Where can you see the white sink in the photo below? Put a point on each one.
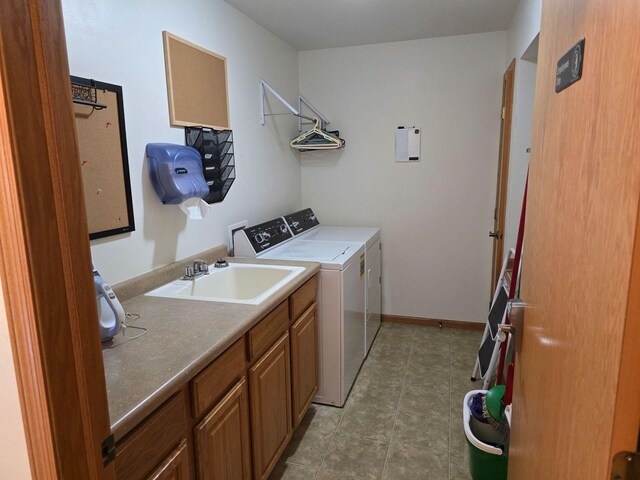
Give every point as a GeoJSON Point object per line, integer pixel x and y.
{"type": "Point", "coordinates": [238, 283]}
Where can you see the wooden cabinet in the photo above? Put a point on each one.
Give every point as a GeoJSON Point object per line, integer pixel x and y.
{"type": "Point", "coordinates": [270, 393]}
{"type": "Point", "coordinates": [163, 434]}
{"type": "Point", "coordinates": [239, 419]}
{"type": "Point", "coordinates": [210, 384]}
{"type": "Point", "coordinates": [303, 297]}
{"type": "Point", "coordinates": [175, 467]}
{"type": "Point", "coordinates": [222, 438]}
{"type": "Point", "coordinates": [267, 331]}
{"type": "Point", "coordinates": [304, 363]}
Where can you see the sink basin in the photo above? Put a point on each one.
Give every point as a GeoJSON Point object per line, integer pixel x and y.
{"type": "Point", "coordinates": [238, 283]}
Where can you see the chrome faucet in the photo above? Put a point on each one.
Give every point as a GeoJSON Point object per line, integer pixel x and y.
{"type": "Point", "coordinates": [199, 268]}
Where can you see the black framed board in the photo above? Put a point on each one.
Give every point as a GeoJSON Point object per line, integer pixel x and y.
{"type": "Point", "coordinates": [102, 141]}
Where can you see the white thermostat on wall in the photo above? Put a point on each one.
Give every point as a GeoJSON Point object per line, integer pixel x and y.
{"type": "Point", "coordinates": [407, 144]}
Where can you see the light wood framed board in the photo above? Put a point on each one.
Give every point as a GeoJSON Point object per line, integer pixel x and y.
{"type": "Point", "coordinates": [105, 165]}
{"type": "Point", "coordinates": [196, 84]}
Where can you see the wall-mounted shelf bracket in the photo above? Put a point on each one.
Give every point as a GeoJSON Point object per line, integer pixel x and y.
{"type": "Point", "coordinates": [303, 101]}
{"type": "Point", "coordinates": [263, 85]}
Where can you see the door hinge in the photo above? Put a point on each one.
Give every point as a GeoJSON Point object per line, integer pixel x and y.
{"type": "Point", "coordinates": [108, 450]}
{"type": "Point", "coordinates": [504, 112]}
{"type": "Point", "coordinates": [626, 466]}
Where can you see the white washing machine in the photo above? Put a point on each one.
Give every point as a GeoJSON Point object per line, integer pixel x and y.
{"type": "Point", "coordinates": [341, 299]}
{"type": "Point", "coordinates": [305, 225]}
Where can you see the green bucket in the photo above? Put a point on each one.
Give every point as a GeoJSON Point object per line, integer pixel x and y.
{"type": "Point", "coordinates": [486, 462]}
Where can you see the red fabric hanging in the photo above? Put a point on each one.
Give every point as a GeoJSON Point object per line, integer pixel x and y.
{"type": "Point", "coordinates": [514, 281]}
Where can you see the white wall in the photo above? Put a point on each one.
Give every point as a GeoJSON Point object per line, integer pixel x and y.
{"type": "Point", "coordinates": [120, 41]}
{"type": "Point", "coordinates": [521, 126]}
{"type": "Point", "coordinates": [14, 459]}
{"type": "Point", "coordinates": [524, 27]}
{"type": "Point", "coordinates": [523, 31]}
{"type": "Point", "coordinates": [436, 214]}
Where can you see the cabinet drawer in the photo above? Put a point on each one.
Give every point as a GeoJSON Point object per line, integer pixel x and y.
{"type": "Point", "coordinates": [302, 298]}
{"type": "Point", "coordinates": [216, 379]}
{"type": "Point", "coordinates": [140, 452]}
{"type": "Point", "coordinates": [265, 333]}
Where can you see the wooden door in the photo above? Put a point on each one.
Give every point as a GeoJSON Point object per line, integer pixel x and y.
{"type": "Point", "coordinates": [270, 394]}
{"type": "Point", "coordinates": [45, 261]}
{"type": "Point", "coordinates": [500, 210]}
{"type": "Point", "coordinates": [222, 438]}
{"type": "Point", "coordinates": [577, 388]}
{"type": "Point", "coordinates": [304, 363]}
{"type": "Point", "coordinates": [175, 467]}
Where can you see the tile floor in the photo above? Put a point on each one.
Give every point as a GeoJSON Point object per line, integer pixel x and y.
{"type": "Point", "coordinates": [403, 418]}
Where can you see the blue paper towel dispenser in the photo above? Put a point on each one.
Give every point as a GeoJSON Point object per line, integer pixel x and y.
{"type": "Point", "coordinates": [176, 172]}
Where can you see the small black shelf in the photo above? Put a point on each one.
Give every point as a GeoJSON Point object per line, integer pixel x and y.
{"type": "Point", "coordinates": [218, 163]}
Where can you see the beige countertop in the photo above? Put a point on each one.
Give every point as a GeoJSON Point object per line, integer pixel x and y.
{"type": "Point", "coordinates": [183, 337]}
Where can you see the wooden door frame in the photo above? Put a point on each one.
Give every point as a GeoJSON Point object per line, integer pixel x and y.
{"type": "Point", "coordinates": [502, 182]}
{"type": "Point", "coordinates": [45, 261]}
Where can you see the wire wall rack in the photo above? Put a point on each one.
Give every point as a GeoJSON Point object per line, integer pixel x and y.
{"type": "Point", "coordinates": [218, 162]}
{"type": "Point", "coordinates": [83, 94]}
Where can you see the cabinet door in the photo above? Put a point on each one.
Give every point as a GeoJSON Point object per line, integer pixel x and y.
{"type": "Point", "coordinates": [175, 467]}
{"type": "Point", "coordinates": [304, 363]}
{"type": "Point", "coordinates": [155, 439]}
{"type": "Point", "coordinates": [222, 438]}
{"type": "Point", "coordinates": [270, 393]}
{"type": "Point", "coordinates": [374, 292]}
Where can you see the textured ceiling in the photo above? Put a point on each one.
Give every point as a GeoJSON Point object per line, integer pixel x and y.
{"type": "Point", "coordinates": [313, 24]}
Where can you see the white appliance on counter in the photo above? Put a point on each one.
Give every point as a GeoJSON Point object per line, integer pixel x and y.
{"type": "Point", "coordinates": [341, 299]}
{"type": "Point", "coordinates": [305, 225]}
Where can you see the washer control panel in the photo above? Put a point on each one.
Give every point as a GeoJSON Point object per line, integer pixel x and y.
{"type": "Point", "coordinates": [301, 221]}
{"type": "Point", "coordinates": [267, 234]}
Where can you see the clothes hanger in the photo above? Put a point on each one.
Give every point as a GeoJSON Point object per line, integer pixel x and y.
{"type": "Point", "coordinates": [316, 139]}
{"type": "Point", "coordinates": [308, 134]}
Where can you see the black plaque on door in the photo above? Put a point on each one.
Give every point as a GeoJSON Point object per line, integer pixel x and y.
{"type": "Point", "coordinates": [569, 69]}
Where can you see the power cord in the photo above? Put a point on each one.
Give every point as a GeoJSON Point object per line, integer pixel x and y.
{"type": "Point", "coordinates": [128, 316]}
{"type": "Point", "coordinates": [132, 316]}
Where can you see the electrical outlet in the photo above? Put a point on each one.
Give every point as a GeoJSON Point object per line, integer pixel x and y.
{"type": "Point", "coordinates": [231, 229]}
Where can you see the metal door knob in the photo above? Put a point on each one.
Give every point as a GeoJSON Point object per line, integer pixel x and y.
{"type": "Point", "coordinates": [516, 312]}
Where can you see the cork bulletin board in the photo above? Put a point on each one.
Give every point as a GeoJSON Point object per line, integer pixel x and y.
{"type": "Point", "coordinates": [103, 157]}
{"type": "Point", "coordinates": [196, 84]}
